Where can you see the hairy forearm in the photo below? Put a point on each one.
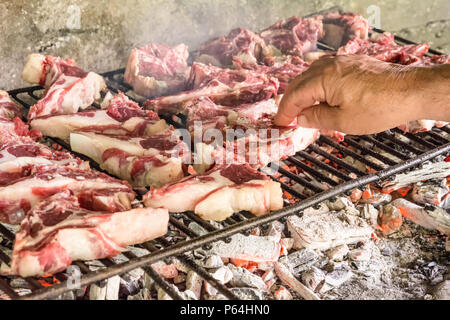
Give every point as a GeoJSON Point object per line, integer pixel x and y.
{"type": "Point", "coordinates": [433, 84]}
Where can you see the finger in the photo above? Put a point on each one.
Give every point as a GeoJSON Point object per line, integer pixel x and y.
{"type": "Point", "coordinates": [321, 116]}
{"type": "Point", "coordinates": [301, 94]}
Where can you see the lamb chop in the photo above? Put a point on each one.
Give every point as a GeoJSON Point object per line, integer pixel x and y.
{"type": "Point", "coordinates": [219, 193]}
{"type": "Point", "coordinates": [120, 116]}
{"type": "Point", "coordinates": [95, 191]}
{"type": "Point", "coordinates": [19, 157]}
{"type": "Point", "coordinates": [67, 87]}
{"type": "Point", "coordinates": [240, 44]}
{"type": "Point", "coordinates": [12, 129]}
{"type": "Point", "coordinates": [284, 68]}
{"type": "Point", "coordinates": [340, 28]}
{"type": "Point", "coordinates": [143, 161]}
{"type": "Point", "coordinates": [384, 48]}
{"type": "Point", "coordinates": [249, 133]}
{"type": "Point", "coordinates": [8, 109]}
{"type": "Point", "coordinates": [294, 36]}
{"type": "Point", "coordinates": [223, 86]}
{"type": "Point", "coordinates": [157, 69]}
{"type": "Point", "coordinates": [59, 231]}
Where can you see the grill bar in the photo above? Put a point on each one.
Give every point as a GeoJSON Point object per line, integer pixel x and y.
{"type": "Point", "coordinates": [190, 245]}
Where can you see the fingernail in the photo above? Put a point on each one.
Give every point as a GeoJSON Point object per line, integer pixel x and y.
{"type": "Point", "coordinates": [302, 121]}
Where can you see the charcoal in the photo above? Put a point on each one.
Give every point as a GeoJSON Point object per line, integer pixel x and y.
{"type": "Point", "coordinates": [194, 283]}
{"type": "Point", "coordinates": [370, 214]}
{"type": "Point", "coordinates": [327, 230]}
{"type": "Point", "coordinates": [288, 279]}
{"type": "Point", "coordinates": [248, 293]}
{"type": "Point", "coordinates": [428, 171]}
{"type": "Point", "coordinates": [282, 294]}
{"type": "Point", "coordinates": [144, 294]}
{"type": "Point", "coordinates": [442, 291]}
{"type": "Point", "coordinates": [222, 274]}
{"type": "Point", "coordinates": [337, 277]}
{"type": "Point", "coordinates": [180, 278]}
{"type": "Point", "coordinates": [300, 259]}
{"type": "Point", "coordinates": [360, 255]}
{"type": "Point", "coordinates": [251, 248]}
{"type": "Point", "coordinates": [338, 253]}
{"type": "Point", "coordinates": [244, 278]}
{"type": "Point", "coordinates": [313, 277]}
{"type": "Point", "coordinates": [213, 261]}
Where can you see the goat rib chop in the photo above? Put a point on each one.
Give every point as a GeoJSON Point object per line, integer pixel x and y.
{"type": "Point", "coordinates": [223, 86]}
{"type": "Point", "coordinates": [67, 87]}
{"type": "Point", "coordinates": [59, 231]}
{"type": "Point", "coordinates": [156, 69]}
{"type": "Point", "coordinates": [219, 193]}
{"type": "Point", "coordinates": [120, 116]}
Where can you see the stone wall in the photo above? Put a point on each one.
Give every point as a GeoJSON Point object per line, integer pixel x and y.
{"type": "Point", "coordinates": [99, 34]}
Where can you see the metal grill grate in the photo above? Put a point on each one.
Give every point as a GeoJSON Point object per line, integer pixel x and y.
{"type": "Point", "coordinates": [322, 175]}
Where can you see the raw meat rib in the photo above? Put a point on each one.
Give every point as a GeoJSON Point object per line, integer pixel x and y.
{"type": "Point", "coordinates": [384, 48]}
{"type": "Point", "coordinates": [68, 88]}
{"type": "Point", "coordinates": [223, 86]}
{"type": "Point", "coordinates": [13, 129]}
{"type": "Point", "coordinates": [340, 28]}
{"type": "Point", "coordinates": [146, 161]}
{"type": "Point", "coordinates": [264, 142]}
{"type": "Point", "coordinates": [157, 69]}
{"type": "Point", "coordinates": [240, 44]}
{"type": "Point", "coordinates": [58, 231]}
{"type": "Point", "coordinates": [284, 68]}
{"type": "Point", "coordinates": [258, 143]}
{"type": "Point", "coordinates": [120, 117]}
{"type": "Point", "coordinates": [295, 35]}
{"type": "Point", "coordinates": [8, 109]}
{"type": "Point", "coordinates": [95, 191]}
{"type": "Point", "coordinates": [219, 193]}
{"type": "Point", "coordinates": [19, 157]}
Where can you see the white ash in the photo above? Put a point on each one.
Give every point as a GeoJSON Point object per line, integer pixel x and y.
{"type": "Point", "coordinates": [243, 278]}
{"type": "Point", "coordinates": [105, 290]}
{"type": "Point", "coordinates": [432, 192]}
{"type": "Point", "coordinates": [194, 283]}
{"type": "Point", "coordinates": [213, 261]}
{"type": "Point", "coordinates": [198, 229]}
{"type": "Point", "coordinates": [313, 277]}
{"type": "Point", "coordinates": [426, 172]}
{"type": "Point", "coordinates": [248, 293]}
{"type": "Point", "coordinates": [252, 248]}
{"type": "Point", "coordinates": [442, 291]}
{"type": "Point", "coordinates": [369, 213]}
{"type": "Point", "coordinates": [222, 274]}
{"type": "Point", "coordinates": [335, 279]}
{"type": "Point", "coordinates": [338, 253]}
{"type": "Point", "coordinates": [302, 260]}
{"type": "Point", "coordinates": [144, 294]}
{"type": "Point", "coordinates": [328, 229]}
{"type": "Point", "coordinates": [209, 289]}
{"type": "Point", "coordinates": [282, 294]}
{"type": "Point", "coordinates": [288, 279]}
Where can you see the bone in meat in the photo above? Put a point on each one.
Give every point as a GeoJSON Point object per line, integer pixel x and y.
{"type": "Point", "coordinates": [58, 231]}
{"type": "Point", "coordinates": [157, 69]}
{"type": "Point", "coordinates": [219, 193]}
{"type": "Point", "coordinates": [67, 87]}
{"type": "Point", "coordinates": [120, 116]}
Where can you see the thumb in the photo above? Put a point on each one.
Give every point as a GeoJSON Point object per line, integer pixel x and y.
{"type": "Point", "coordinates": [320, 116]}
